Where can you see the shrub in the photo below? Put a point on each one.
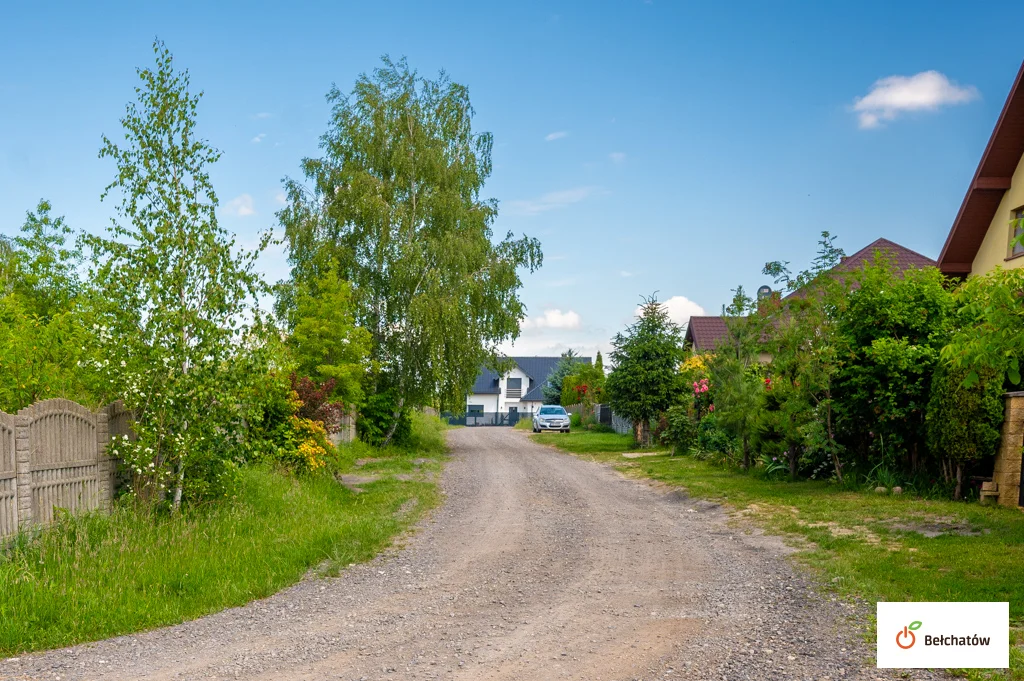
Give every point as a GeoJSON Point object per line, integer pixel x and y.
{"type": "Point", "coordinates": [377, 415]}
{"type": "Point", "coordinates": [680, 430]}
{"type": "Point", "coordinates": [963, 423]}
{"type": "Point", "coordinates": [712, 438]}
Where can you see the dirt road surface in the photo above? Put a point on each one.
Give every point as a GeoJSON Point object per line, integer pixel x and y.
{"type": "Point", "coordinates": [538, 566]}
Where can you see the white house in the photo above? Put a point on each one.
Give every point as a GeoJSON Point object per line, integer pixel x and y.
{"type": "Point", "coordinates": [517, 391]}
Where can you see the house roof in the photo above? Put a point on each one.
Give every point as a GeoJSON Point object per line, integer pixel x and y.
{"type": "Point", "coordinates": [537, 368]}
{"type": "Point", "coordinates": [705, 333]}
{"type": "Point", "coordinates": [991, 180]}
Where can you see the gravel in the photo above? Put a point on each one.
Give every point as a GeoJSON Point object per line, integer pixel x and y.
{"type": "Point", "coordinates": [538, 566]}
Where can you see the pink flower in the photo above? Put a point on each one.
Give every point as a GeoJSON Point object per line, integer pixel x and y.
{"type": "Point", "coordinates": [711, 408]}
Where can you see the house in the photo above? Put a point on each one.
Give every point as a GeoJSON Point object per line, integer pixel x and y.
{"type": "Point", "coordinates": [981, 235]}
{"type": "Point", "coordinates": [517, 391]}
{"type": "Point", "coordinates": [706, 334]}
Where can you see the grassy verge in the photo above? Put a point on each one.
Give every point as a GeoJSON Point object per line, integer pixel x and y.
{"type": "Point", "coordinates": [876, 547]}
{"type": "Point", "coordinates": [97, 576]}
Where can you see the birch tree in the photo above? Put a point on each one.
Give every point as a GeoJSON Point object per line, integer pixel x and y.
{"type": "Point", "coordinates": [175, 297]}
{"type": "Point", "coordinates": [394, 206]}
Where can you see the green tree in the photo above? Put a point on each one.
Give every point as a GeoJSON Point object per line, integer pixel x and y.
{"type": "Point", "coordinates": [963, 422]}
{"type": "Point", "coordinates": [892, 328]}
{"type": "Point", "coordinates": [552, 389]}
{"type": "Point", "coordinates": [585, 385]}
{"type": "Point", "coordinates": [807, 354]}
{"type": "Point", "coordinates": [395, 208]}
{"type": "Point", "coordinates": [737, 374]}
{"type": "Point", "coordinates": [178, 320]}
{"type": "Point", "coordinates": [45, 268]}
{"type": "Point", "coordinates": [325, 340]}
{"type": "Point", "coordinates": [989, 327]}
{"type": "Point", "coordinates": [646, 381]}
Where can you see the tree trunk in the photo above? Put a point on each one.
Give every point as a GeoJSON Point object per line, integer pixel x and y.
{"type": "Point", "coordinates": [794, 456]}
{"type": "Point", "coordinates": [179, 485]}
{"type": "Point", "coordinates": [638, 433]}
{"type": "Point", "coordinates": [959, 481]}
{"type": "Point", "coordinates": [913, 458]}
{"type": "Point", "coordinates": [394, 423]}
{"type": "Point", "coordinates": [746, 452]}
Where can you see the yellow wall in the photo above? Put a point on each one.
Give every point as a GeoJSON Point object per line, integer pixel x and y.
{"type": "Point", "coordinates": [996, 245]}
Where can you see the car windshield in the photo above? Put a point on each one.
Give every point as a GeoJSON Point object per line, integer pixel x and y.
{"type": "Point", "coordinates": [552, 411]}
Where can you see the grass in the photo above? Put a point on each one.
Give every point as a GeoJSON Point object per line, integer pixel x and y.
{"type": "Point", "coordinates": [863, 544]}
{"type": "Point", "coordinates": [96, 576]}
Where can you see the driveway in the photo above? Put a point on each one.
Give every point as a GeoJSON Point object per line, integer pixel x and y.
{"type": "Point", "coordinates": [538, 566]}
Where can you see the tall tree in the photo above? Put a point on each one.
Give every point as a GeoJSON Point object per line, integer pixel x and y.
{"type": "Point", "coordinates": [646, 380]}
{"type": "Point", "coordinates": [395, 208]}
{"type": "Point", "coordinates": [176, 298]}
{"type": "Point", "coordinates": [736, 371]}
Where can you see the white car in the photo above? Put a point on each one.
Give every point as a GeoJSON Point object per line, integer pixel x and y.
{"type": "Point", "coordinates": [551, 418]}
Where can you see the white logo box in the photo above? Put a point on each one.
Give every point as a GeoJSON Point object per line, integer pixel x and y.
{"type": "Point", "coordinates": [956, 633]}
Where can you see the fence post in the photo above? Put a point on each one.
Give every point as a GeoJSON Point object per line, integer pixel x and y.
{"type": "Point", "coordinates": [1006, 474]}
{"type": "Point", "coordinates": [104, 464]}
{"type": "Point", "coordinates": [23, 461]}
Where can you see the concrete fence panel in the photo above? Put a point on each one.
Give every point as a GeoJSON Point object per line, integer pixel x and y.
{"type": "Point", "coordinates": [8, 477]}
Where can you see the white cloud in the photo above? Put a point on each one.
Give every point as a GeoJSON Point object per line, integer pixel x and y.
{"type": "Point", "coordinates": [926, 91]}
{"type": "Point", "coordinates": [617, 156]}
{"type": "Point", "coordinates": [262, 115]}
{"type": "Point", "coordinates": [551, 201]}
{"type": "Point", "coordinates": [679, 308]}
{"type": "Point", "coordinates": [553, 319]}
{"type": "Point", "coordinates": [551, 137]}
{"type": "Point", "coordinates": [624, 274]}
{"type": "Point", "coordinates": [280, 198]}
{"type": "Point", "coordinates": [240, 206]}
{"type": "Point", "coordinates": [259, 138]}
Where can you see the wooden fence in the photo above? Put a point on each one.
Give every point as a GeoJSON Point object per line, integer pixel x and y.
{"type": "Point", "coordinates": [53, 455]}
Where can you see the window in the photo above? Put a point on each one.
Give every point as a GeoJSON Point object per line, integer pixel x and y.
{"type": "Point", "coordinates": [552, 411]}
{"type": "Point", "coordinates": [514, 388]}
{"type": "Point", "coordinates": [476, 409]}
{"type": "Point", "coordinates": [1016, 229]}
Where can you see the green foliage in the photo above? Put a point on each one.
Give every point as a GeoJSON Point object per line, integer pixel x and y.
{"type": "Point", "coordinates": [41, 265]}
{"type": "Point", "coordinates": [377, 425]}
{"type": "Point", "coordinates": [583, 385]}
{"type": "Point", "coordinates": [963, 422]}
{"type": "Point", "coordinates": [395, 209]}
{"type": "Point", "coordinates": [989, 332]}
{"type": "Point", "coordinates": [552, 390]}
{"type": "Point", "coordinates": [176, 306]}
{"type": "Point", "coordinates": [681, 432]}
{"type": "Point", "coordinates": [646, 380]}
{"type": "Point", "coordinates": [892, 329]}
{"type": "Point", "coordinates": [325, 340]}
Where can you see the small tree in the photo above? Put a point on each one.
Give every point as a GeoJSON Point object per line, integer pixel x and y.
{"type": "Point", "coordinates": [736, 372]}
{"type": "Point", "coordinates": [646, 381]}
{"type": "Point", "coordinates": [963, 422]}
{"type": "Point", "coordinates": [177, 315]}
{"type": "Point", "coordinates": [552, 389]}
{"type": "Point", "coordinates": [326, 341]}
{"type": "Point", "coordinates": [806, 351]}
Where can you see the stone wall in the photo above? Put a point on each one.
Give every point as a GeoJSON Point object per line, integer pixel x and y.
{"type": "Point", "coordinates": [1006, 473]}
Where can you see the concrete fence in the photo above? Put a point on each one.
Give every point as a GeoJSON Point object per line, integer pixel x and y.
{"type": "Point", "coordinates": [53, 455]}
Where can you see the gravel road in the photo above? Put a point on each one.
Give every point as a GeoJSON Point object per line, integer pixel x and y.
{"type": "Point", "coordinates": [538, 566]}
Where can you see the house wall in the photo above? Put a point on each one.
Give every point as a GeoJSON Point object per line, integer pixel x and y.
{"type": "Point", "coordinates": [501, 402]}
{"type": "Point", "coordinates": [995, 248]}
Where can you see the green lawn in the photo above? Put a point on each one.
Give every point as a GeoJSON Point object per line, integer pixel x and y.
{"type": "Point", "coordinates": [864, 544]}
{"type": "Point", "coordinates": [99, 576]}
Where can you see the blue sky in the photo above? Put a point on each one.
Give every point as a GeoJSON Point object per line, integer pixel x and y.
{"type": "Point", "coordinates": [651, 146]}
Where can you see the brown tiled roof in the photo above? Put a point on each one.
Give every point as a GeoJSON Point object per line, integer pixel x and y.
{"type": "Point", "coordinates": [991, 180]}
{"type": "Point", "coordinates": [705, 333]}
{"type": "Point", "coordinates": [903, 257]}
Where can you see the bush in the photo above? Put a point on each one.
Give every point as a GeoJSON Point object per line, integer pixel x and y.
{"type": "Point", "coordinates": [576, 420]}
{"type": "Point", "coordinates": [680, 431]}
{"type": "Point", "coordinates": [963, 424]}
{"type": "Point", "coordinates": [711, 438]}
{"type": "Point", "coordinates": [376, 418]}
